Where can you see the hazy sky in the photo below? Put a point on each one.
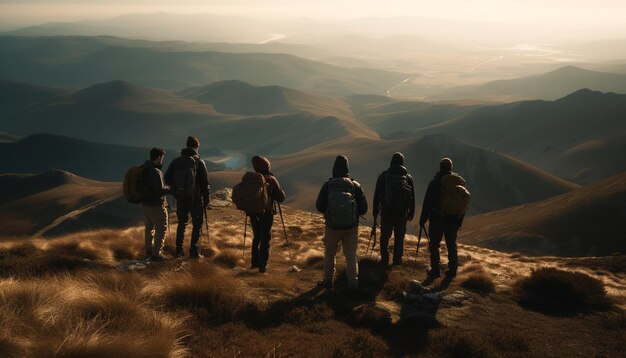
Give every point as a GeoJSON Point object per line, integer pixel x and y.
{"type": "Point", "coordinates": [601, 16]}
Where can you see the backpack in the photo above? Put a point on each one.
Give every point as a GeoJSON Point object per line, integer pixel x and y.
{"type": "Point", "coordinates": [342, 211]}
{"type": "Point", "coordinates": [252, 194]}
{"type": "Point", "coordinates": [133, 187]}
{"type": "Point", "coordinates": [184, 170]}
{"type": "Point", "coordinates": [455, 198]}
{"type": "Point", "coordinates": [397, 191]}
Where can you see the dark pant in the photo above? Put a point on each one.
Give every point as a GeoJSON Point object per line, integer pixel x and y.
{"type": "Point", "coordinates": [396, 223]}
{"type": "Point", "coordinates": [437, 230]}
{"type": "Point", "coordinates": [262, 230]}
{"type": "Point", "coordinates": [183, 210]}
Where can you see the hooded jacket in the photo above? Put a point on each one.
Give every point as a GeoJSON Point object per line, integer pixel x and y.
{"type": "Point", "coordinates": [430, 206]}
{"type": "Point", "coordinates": [202, 189]}
{"type": "Point", "coordinates": [396, 166]}
{"type": "Point", "coordinates": [341, 170]}
{"type": "Point", "coordinates": [155, 189]}
{"type": "Point", "coordinates": [263, 166]}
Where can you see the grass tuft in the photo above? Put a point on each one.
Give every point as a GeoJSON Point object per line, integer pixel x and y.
{"type": "Point", "coordinates": [559, 292]}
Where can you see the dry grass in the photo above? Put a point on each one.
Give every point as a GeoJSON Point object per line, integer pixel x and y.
{"type": "Point", "coordinates": [64, 297]}
{"type": "Point", "coordinates": [554, 291]}
{"type": "Point", "coordinates": [476, 279]}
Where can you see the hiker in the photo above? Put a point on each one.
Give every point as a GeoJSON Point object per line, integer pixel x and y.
{"type": "Point", "coordinates": [189, 181]}
{"type": "Point", "coordinates": [394, 198]}
{"type": "Point", "coordinates": [262, 222]}
{"type": "Point", "coordinates": [342, 201]}
{"type": "Point", "coordinates": [154, 204]}
{"type": "Point", "coordinates": [445, 212]}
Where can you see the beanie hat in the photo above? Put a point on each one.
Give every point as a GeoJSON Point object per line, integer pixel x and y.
{"type": "Point", "coordinates": [397, 159]}
{"type": "Point", "coordinates": [193, 142]}
{"type": "Point", "coordinates": [340, 168]}
{"type": "Point", "coordinates": [261, 165]}
{"type": "Point", "coordinates": [445, 164]}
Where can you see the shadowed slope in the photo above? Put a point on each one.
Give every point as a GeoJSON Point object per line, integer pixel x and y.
{"type": "Point", "coordinates": [585, 222]}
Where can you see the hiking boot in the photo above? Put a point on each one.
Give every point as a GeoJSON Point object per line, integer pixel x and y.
{"type": "Point", "coordinates": [384, 262]}
{"type": "Point", "coordinates": [262, 269]}
{"type": "Point", "coordinates": [180, 253]}
{"type": "Point", "coordinates": [397, 262]}
{"type": "Point", "coordinates": [156, 258]}
{"type": "Point", "coordinates": [148, 254]}
{"type": "Point", "coordinates": [324, 284]}
{"type": "Point", "coordinates": [433, 272]}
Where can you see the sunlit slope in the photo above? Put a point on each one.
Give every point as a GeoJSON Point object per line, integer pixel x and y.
{"type": "Point", "coordinates": [57, 202]}
{"type": "Point", "coordinates": [548, 86]}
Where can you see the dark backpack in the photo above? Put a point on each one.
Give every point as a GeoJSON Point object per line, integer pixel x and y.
{"type": "Point", "coordinates": [184, 172]}
{"type": "Point", "coordinates": [252, 194]}
{"type": "Point", "coordinates": [397, 191]}
{"type": "Point", "coordinates": [133, 187]}
{"type": "Point", "coordinates": [342, 211]}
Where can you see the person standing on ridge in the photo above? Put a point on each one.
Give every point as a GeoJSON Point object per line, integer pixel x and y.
{"type": "Point", "coordinates": [394, 198]}
{"type": "Point", "coordinates": [189, 181]}
{"type": "Point", "coordinates": [262, 222]}
{"type": "Point", "coordinates": [342, 201]}
{"type": "Point", "coordinates": [445, 203]}
{"type": "Point", "coordinates": [154, 204]}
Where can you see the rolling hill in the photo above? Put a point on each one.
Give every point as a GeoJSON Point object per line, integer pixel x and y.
{"type": "Point", "coordinates": [495, 180]}
{"type": "Point", "coordinates": [578, 137]}
{"type": "Point", "coordinates": [126, 113]}
{"type": "Point", "coordinates": [72, 62]}
{"type": "Point", "coordinates": [584, 222]}
{"type": "Point", "coordinates": [14, 95]}
{"type": "Point", "coordinates": [56, 202]}
{"type": "Point", "coordinates": [548, 86]}
{"type": "Point", "coordinates": [104, 162]}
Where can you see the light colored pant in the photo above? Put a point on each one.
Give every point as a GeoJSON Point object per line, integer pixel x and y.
{"type": "Point", "coordinates": [348, 239]}
{"type": "Point", "coordinates": [155, 218]}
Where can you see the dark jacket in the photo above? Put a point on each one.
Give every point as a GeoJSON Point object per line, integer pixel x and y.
{"type": "Point", "coordinates": [263, 166]}
{"type": "Point", "coordinates": [341, 170]}
{"type": "Point", "coordinates": [153, 184]}
{"type": "Point", "coordinates": [202, 189]}
{"type": "Point", "coordinates": [430, 206]}
{"type": "Point", "coordinates": [379, 193]}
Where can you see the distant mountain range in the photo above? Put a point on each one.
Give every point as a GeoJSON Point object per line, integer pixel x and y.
{"type": "Point", "coordinates": [548, 86]}
{"type": "Point", "coordinates": [585, 222]}
{"type": "Point", "coordinates": [86, 61]}
{"type": "Point", "coordinates": [124, 113]}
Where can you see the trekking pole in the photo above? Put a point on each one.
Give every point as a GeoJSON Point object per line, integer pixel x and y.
{"type": "Point", "coordinates": [372, 235]}
{"type": "Point", "coordinates": [206, 224]}
{"type": "Point", "coordinates": [280, 210]}
{"type": "Point", "coordinates": [419, 238]}
{"type": "Point", "coordinates": [245, 233]}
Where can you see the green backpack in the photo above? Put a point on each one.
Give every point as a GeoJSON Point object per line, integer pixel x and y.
{"type": "Point", "coordinates": [455, 197]}
{"type": "Point", "coordinates": [342, 211]}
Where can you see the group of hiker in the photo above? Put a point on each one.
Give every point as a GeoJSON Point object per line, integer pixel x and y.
{"type": "Point", "coordinates": [341, 199]}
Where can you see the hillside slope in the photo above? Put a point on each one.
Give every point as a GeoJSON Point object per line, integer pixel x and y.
{"type": "Point", "coordinates": [585, 222]}
{"type": "Point", "coordinates": [548, 86]}
{"type": "Point", "coordinates": [57, 202]}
